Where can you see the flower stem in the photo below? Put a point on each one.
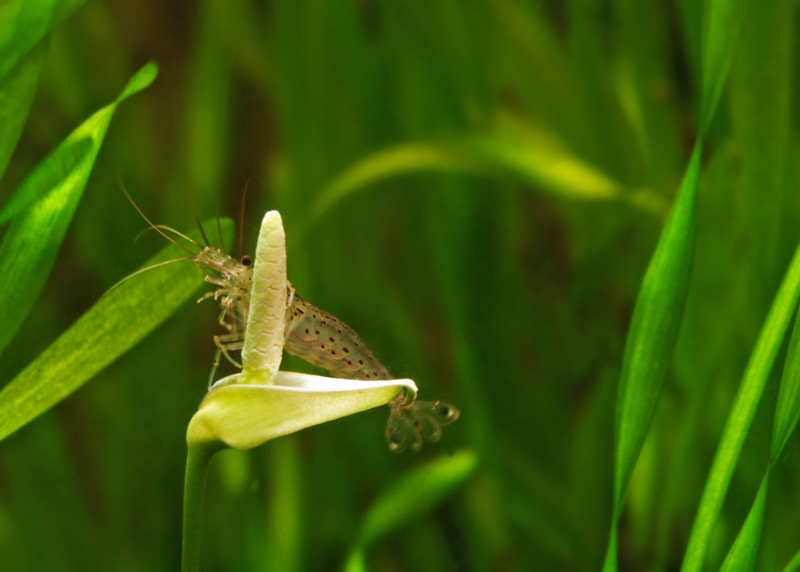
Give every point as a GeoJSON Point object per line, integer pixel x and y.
{"type": "Point", "coordinates": [197, 461]}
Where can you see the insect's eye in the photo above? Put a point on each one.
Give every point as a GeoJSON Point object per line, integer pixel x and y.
{"type": "Point", "coordinates": [246, 260]}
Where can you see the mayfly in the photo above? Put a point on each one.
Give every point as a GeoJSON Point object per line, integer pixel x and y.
{"type": "Point", "coordinates": [311, 334]}
{"type": "Point", "coordinates": [323, 340]}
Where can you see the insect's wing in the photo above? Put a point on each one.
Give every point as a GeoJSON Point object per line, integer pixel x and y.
{"type": "Point", "coordinates": [439, 411]}
{"type": "Point", "coordinates": [313, 354]}
{"type": "Point", "coordinates": [395, 432]}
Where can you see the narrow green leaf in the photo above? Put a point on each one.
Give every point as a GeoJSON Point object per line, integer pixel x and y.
{"type": "Point", "coordinates": [744, 552]}
{"type": "Point", "coordinates": [43, 207]}
{"type": "Point", "coordinates": [741, 415]}
{"type": "Point", "coordinates": [539, 160]}
{"type": "Point", "coordinates": [652, 336]}
{"type": "Point", "coordinates": [654, 328]}
{"type": "Point", "coordinates": [794, 564]}
{"type": "Point", "coordinates": [418, 492]}
{"type": "Point", "coordinates": [71, 163]}
{"type": "Point", "coordinates": [356, 561]}
{"type": "Point", "coordinates": [787, 410]}
{"type": "Point", "coordinates": [32, 23]}
{"type": "Point", "coordinates": [724, 23]}
{"type": "Point", "coordinates": [21, 57]}
{"type": "Point", "coordinates": [413, 158]}
{"type": "Point", "coordinates": [16, 95]}
{"type": "Point", "coordinates": [110, 328]}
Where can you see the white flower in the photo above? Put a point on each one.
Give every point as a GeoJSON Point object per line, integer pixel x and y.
{"type": "Point", "coordinates": [261, 403]}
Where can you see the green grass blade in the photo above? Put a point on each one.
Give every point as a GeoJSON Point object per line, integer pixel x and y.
{"type": "Point", "coordinates": [652, 336]}
{"type": "Point", "coordinates": [16, 91]}
{"type": "Point", "coordinates": [787, 410]}
{"type": "Point", "coordinates": [725, 19]}
{"type": "Point", "coordinates": [67, 169]}
{"type": "Point", "coordinates": [654, 328]}
{"type": "Point", "coordinates": [794, 564]}
{"type": "Point", "coordinates": [741, 416]}
{"type": "Point", "coordinates": [20, 64]}
{"type": "Point", "coordinates": [744, 552]}
{"type": "Point", "coordinates": [32, 23]}
{"type": "Point", "coordinates": [540, 161]}
{"type": "Point", "coordinates": [43, 207]}
{"type": "Point", "coordinates": [416, 493]}
{"type": "Point", "coordinates": [109, 329]}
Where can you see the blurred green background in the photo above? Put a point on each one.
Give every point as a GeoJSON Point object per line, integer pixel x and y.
{"type": "Point", "coordinates": [476, 188]}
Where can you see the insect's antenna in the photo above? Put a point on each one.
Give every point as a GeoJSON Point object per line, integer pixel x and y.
{"type": "Point", "coordinates": [168, 229]}
{"type": "Point", "coordinates": [157, 229]}
{"type": "Point", "coordinates": [202, 232]}
{"type": "Point", "coordinates": [241, 219]}
{"type": "Point", "coordinates": [219, 230]}
{"type": "Point", "coordinates": [129, 276]}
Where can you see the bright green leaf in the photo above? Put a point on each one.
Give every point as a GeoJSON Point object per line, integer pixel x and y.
{"type": "Point", "coordinates": [533, 156]}
{"type": "Point", "coordinates": [794, 564]}
{"type": "Point", "coordinates": [110, 328]}
{"type": "Point", "coordinates": [16, 94]}
{"type": "Point", "coordinates": [744, 552]}
{"type": "Point", "coordinates": [32, 23]}
{"type": "Point", "coordinates": [787, 410]}
{"type": "Point", "coordinates": [654, 328]}
{"type": "Point", "coordinates": [22, 28]}
{"type": "Point", "coordinates": [417, 493]}
{"type": "Point", "coordinates": [42, 209]}
{"type": "Point", "coordinates": [741, 415]}
{"type": "Point", "coordinates": [652, 336]}
{"type": "Point", "coordinates": [725, 19]}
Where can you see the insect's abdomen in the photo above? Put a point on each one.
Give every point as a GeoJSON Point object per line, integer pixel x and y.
{"type": "Point", "coordinates": [325, 341]}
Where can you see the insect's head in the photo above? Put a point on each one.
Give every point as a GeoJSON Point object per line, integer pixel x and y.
{"type": "Point", "coordinates": [216, 260]}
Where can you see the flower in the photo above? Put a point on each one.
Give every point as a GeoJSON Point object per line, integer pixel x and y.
{"type": "Point", "coordinates": [261, 403]}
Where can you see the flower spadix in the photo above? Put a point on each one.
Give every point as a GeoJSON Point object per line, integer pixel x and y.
{"type": "Point", "coordinates": [261, 403]}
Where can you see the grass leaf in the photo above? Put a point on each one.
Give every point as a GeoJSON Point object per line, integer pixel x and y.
{"type": "Point", "coordinates": [110, 328]}
{"type": "Point", "coordinates": [42, 209]}
{"type": "Point", "coordinates": [20, 63]}
{"type": "Point", "coordinates": [787, 410]}
{"type": "Point", "coordinates": [744, 552]}
{"type": "Point", "coordinates": [741, 416]}
{"type": "Point", "coordinates": [417, 492]}
{"type": "Point", "coordinates": [654, 328]}
{"type": "Point", "coordinates": [725, 19]}
{"type": "Point", "coordinates": [794, 564]}
{"type": "Point", "coordinates": [32, 23]}
{"type": "Point", "coordinates": [16, 91]}
{"type": "Point", "coordinates": [539, 161]}
{"type": "Point", "coordinates": [652, 336]}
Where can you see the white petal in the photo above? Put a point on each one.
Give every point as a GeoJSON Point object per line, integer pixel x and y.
{"type": "Point", "coordinates": [242, 416]}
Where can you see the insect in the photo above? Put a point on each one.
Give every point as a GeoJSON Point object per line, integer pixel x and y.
{"type": "Point", "coordinates": [325, 341]}
{"type": "Point", "coordinates": [233, 278]}
{"type": "Point", "coordinates": [311, 334]}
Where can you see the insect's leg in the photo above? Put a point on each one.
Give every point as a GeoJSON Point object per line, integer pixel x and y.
{"type": "Point", "coordinates": [229, 347]}
{"type": "Point", "coordinates": [226, 343]}
{"type": "Point", "coordinates": [205, 296]}
{"type": "Point", "coordinates": [217, 357]}
{"type": "Point", "coordinates": [222, 317]}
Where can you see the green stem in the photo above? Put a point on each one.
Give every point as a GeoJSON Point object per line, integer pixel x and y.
{"type": "Point", "coordinates": [197, 460]}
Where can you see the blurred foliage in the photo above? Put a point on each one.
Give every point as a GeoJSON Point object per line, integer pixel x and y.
{"type": "Point", "coordinates": [477, 188]}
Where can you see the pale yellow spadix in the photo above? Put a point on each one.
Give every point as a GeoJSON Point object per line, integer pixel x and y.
{"type": "Point", "coordinates": [263, 339]}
